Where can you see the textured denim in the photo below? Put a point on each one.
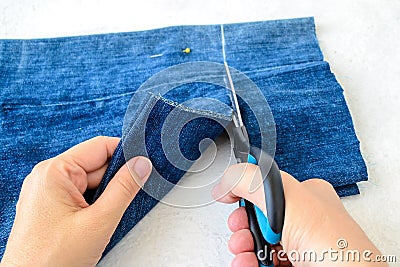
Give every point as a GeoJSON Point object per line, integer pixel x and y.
{"type": "Point", "coordinates": [58, 92]}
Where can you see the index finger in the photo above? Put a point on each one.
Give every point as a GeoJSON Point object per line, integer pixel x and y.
{"type": "Point", "coordinates": [92, 154]}
{"type": "Point", "coordinates": [237, 182]}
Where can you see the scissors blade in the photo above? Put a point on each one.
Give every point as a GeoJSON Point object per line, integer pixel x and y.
{"type": "Point", "coordinates": [241, 146]}
{"type": "Point", "coordinates": [237, 119]}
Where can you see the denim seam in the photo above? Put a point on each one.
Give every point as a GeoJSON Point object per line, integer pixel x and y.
{"type": "Point", "coordinates": [204, 112]}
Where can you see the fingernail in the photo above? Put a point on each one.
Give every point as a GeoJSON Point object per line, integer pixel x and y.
{"type": "Point", "coordinates": [141, 166]}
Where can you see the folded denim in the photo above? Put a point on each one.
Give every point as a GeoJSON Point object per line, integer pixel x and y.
{"type": "Point", "coordinates": [58, 92]}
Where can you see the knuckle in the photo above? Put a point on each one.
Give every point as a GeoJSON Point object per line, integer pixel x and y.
{"type": "Point", "coordinates": [66, 166]}
{"type": "Point", "coordinates": [325, 183]}
{"type": "Point", "coordinates": [62, 167]}
{"type": "Point", "coordinates": [40, 167]}
{"type": "Point", "coordinates": [100, 138]}
{"type": "Point", "coordinates": [320, 182]}
{"type": "Point", "coordinates": [38, 171]}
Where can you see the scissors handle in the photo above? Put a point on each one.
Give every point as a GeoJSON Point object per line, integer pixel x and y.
{"type": "Point", "coordinates": [266, 231]}
{"type": "Point", "coordinates": [262, 248]}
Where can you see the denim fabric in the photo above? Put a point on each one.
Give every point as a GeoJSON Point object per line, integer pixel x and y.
{"type": "Point", "coordinates": [153, 113]}
{"type": "Point", "coordinates": [58, 92]}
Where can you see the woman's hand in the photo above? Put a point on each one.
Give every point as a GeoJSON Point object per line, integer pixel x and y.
{"type": "Point", "coordinates": [54, 225]}
{"type": "Point", "coordinates": [315, 221]}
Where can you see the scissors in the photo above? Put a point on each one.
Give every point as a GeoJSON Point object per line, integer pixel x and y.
{"type": "Point", "coordinates": [265, 229]}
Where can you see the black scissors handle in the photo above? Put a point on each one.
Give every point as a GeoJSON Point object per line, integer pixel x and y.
{"type": "Point", "coordinates": [262, 248]}
{"type": "Point", "coordinates": [266, 230]}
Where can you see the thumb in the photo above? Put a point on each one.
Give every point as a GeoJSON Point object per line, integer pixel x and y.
{"type": "Point", "coordinates": [121, 190]}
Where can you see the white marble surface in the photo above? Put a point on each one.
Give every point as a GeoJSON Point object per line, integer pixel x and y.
{"type": "Point", "coordinates": [360, 39]}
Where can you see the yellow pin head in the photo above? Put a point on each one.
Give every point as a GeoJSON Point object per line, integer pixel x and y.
{"type": "Point", "coordinates": [187, 50]}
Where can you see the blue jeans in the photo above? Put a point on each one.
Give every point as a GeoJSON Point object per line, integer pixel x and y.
{"type": "Point", "coordinates": [58, 92]}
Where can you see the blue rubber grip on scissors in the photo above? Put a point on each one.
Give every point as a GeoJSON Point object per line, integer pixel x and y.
{"type": "Point", "coordinates": [266, 230]}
